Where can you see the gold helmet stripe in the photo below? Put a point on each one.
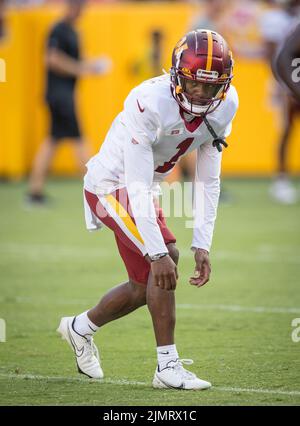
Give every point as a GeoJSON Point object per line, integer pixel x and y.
{"type": "Point", "coordinates": [209, 50]}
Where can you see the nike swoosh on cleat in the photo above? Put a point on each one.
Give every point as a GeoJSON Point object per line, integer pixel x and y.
{"type": "Point", "coordinates": [78, 351]}
{"type": "Point", "coordinates": [92, 329]}
{"type": "Point", "coordinates": [172, 387]}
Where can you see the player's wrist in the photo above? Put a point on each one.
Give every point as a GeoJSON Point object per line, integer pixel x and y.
{"type": "Point", "coordinates": [199, 249]}
{"type": "Point", "coordinates": [158, 256]}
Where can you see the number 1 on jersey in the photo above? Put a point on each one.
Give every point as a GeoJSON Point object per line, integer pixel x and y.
{"type": "Point", "coordinates": [182, 148]}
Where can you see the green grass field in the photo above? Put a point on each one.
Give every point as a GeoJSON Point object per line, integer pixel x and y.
{"type": "Point", "coordinates": [237, 329]}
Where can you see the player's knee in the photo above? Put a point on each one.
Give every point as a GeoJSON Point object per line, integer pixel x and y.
{"type": "Point", "coordinates": [138, 291]}
{"type": "Point", "coordinates": [173, 252]}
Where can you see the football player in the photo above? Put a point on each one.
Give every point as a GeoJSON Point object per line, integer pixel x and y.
{"type": "Point", "coordinates": [163, 119]}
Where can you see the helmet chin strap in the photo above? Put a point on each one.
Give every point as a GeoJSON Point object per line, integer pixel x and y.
{"type": "Point", "coordinates": [217, 142]}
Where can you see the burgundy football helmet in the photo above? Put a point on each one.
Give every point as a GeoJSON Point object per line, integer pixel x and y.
{"type": "Point", "coordinates": [201, 71]}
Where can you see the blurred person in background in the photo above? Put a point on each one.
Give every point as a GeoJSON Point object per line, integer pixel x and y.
{"type": "Point", "coordinates": [64, 67]}
{"type": "Point", "coordinates": [240, 25]}
{"type": "Point", "coordinates": [211, 15]}
{"type": "Point", "coordinates": [237, 20]}
{"type": "Point", "coordinates": [25, 3]}
{"type": "Point", "coordinates": [286, 59]}
{"type": "Point", "coordinates": [275, 25]}
{"type": "Point", "coordinates": [2, 29]}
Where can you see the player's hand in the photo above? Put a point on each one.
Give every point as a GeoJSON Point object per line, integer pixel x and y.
{"type": "Point", "coordinates": [164, 272]}
{"type": "Point", "coordinates": [202, 268]}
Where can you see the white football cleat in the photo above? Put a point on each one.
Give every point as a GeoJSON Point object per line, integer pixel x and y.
{"type": "Point", "coordinates": [86, 352]}
{"type": "Point", "coordinates": [174, 376]}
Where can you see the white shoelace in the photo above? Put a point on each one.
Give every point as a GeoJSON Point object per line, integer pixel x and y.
{"type": "Point", "coordinates": [91, 348]}
{"type": "Point", "coordinates": [95, 351]}
{"type": "Point", "coordinates": [180, 370]}
{"type": "Point", "coordinates": [178, 367]}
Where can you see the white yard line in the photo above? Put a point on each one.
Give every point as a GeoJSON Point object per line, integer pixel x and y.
{"type": "Point", "coordinates": [53, 252]}
{"type": "Point", "coordinates": [266, 391]}
{"type": "Point", "coordinates": [238, 308]}
{"type": "Point", "coordinates": [125, 382]}
{"type": "Point", "coordinates": [185, 306]}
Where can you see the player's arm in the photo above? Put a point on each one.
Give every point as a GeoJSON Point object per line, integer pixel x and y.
{"type": "Point", "coordinates": [206, 197]}
{"type": "Point", "coordinates": [138, 159]}
{"type": "Point", "coordinates": [206, 194]}
{"type": "Point", "coordinates": [207, 191]}
{"type": "Point", "coordinates": [284, 65]}
{"type": "Point", "coordinates": [142, 122]}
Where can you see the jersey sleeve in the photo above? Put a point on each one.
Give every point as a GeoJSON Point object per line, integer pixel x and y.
{"type": "Point", "coordinates": [140, 118]}
{"type": "Point", "coordinates": [207, 177]}
{"type": "Point", "coordinates": [206, 195]}
{"type": "Point", "coordinates": [139, 170]}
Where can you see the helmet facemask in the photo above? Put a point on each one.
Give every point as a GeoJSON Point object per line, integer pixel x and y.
{"type": "Point", "coordinates": [198, 96]}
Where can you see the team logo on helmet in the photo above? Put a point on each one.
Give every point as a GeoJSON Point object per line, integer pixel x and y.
{"type": "Point", "coordinates": [187, 72]}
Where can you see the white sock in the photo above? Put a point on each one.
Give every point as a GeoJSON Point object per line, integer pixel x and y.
{"type": "Point", "coordinates": [166, 354]}
{"type": "Point", "coordinates": [83, 325]}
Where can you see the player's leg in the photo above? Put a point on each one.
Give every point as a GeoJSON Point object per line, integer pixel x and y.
{"type": "Point", "coordinates": [79, 330]}
{"type": "Point", "coordinates": [161, 305]}
{"type": "Point", "coordinates": [118, 302]}
{"type": "Point", "coordinates": [60, 111]}
{"type": "Point", "coordinates": [125, 297]}
{"type": "Point", "coordinates": [40, 169]}
{"type": "Point", "coordinates": [82, 153]}
{"type": "Point", "coordinates": [74, 131]}
{"type": "Point", "coordinates": [282, 189]}
{"type": "Point", "coordinates": [170, 372]}
{"type": "Point", "coordinates": [285, 137]}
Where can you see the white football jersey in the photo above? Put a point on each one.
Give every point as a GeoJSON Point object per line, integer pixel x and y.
{"type": "Point", "coordinates": [143, 145]}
